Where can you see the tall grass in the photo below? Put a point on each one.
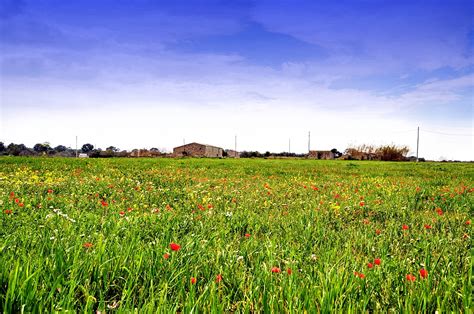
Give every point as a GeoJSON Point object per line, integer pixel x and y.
{"type": "Point", "coordinates": [91, 235]}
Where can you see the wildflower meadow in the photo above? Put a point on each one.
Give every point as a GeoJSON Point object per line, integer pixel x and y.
{"type": "Point", "coordinates": [231, 235]}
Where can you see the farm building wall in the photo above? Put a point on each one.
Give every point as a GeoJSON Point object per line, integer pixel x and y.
{"type": "Point", "coordinates": [212, 151]}
{"type": "Point", "coordinates": [321, 154]}
{"type": "Point", "coordinates": [197, 150]}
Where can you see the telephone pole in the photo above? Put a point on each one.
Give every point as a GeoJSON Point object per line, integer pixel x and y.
{"type": "Point", "coordinates": [417, 142]}
{"type": "Point", "coordinates": [309, 141]}
{"type": "Point", "coordinates": [235, 146]}
{"type": "Point", "coordinates": [76, 147]}
{"type": "Point", "coordinates": [289, 145]}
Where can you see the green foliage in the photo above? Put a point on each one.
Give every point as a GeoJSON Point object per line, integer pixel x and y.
{"type": "Point", "coordinates": [90, 235]}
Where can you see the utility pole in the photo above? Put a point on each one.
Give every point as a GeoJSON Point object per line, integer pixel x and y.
{"type": "Point", "coordinates": [417, 142]}
{"type": "Point", "coordinates": [289, 145]}
{"type": "Point", "coordinates": [309, 141]}
{"type": "Point", "coordinates": [235, 147]}
{"type": "Point", "coordinates": [76, 147]}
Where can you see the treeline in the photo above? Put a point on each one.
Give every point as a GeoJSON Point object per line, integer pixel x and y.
{"type": "Point", "coordinates": [256, 154]}
{"type": "Point", "coordinates": [361, 152]}
{"type": "Point", "coordinates": [45, 149]}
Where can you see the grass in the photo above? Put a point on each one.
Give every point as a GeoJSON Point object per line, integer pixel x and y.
{"type": "Point", "coordinates": [91, 235]}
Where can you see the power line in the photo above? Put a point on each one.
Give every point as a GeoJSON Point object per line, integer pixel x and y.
{"type": "Point", "coordinates": [448, 134]}
{"type": "Point", "coordinates": [406, 131]}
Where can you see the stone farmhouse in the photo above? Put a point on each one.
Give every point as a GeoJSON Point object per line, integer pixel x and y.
{"type": "Point", "coordinates": [321, 154]}
{"type": "Point", "coordinates": [197, 150]}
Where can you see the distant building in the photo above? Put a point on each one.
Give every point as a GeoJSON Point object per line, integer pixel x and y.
{"type": "Point", "coordinates": [145, 153]}
{"type": "Point", "coordinates": [83, 155]}
{"type": "Point", "coordinates": [232, 153]}
{"type": "Point", "coordinates": [321, 154]}
{"type": "Point", "coordinates": [198, 150]}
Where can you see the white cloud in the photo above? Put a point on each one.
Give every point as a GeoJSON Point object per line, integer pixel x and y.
{"type": "Point", "coordinates": [149, 103]}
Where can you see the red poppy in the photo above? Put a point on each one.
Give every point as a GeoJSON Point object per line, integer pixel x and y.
{"type": "Point", "coordinates": [166, 256]}
{"type": "Point", "coordinates": [439, 211]}
{"type": "Point", "coordinates": [410, 277]}
{"type": "Point", "coordinates": [21, 204]}
{"type": "Point", "coordinates": [378, 231]}
{"type": "Point", "coordinates": [122, 213]}
{"type": "Point", "coordinates": [428, 227]}
{"type": "Point", "coordinates": [468, 222]}
{"type": "Point", "coordinates": [87, 245]}
{"type": "Point", "coordinates": [12, 194]}
{"type": "Point", "coordinates": [174, 246]}
{"type": "Point", "coordinates": [17, 200]}
{"type": "Point", "coordinates": [7, 211]}
{"type": "Point", "coordinates": [104, 203]}
{"type": "Point", "coordinates": [129, 209]}
{"type": "Point", "coordinates": [209, 206]}
{"type": "Point", "coordinates": [377, 261]}
{"type": "Point", "coordinates": [218, 278]}
{"type": "Point", "coordinates": [201, 207]}
{"type": "Point", "coordinates": [370, 265]}
{"type": "Point", "coordinates": [289, 271]}
{"type": "Point", "coordinates": [50, 191]}
{"type": "Point", "coordinates": [193, 280]}
{"type": "Point", "coordinates": [423, 273]}
{"type": "Point", "coordinates": [276, 270]}
{"type": "Point", "coordinates": [361, 203]}
{"type": "Point", "coordinates": [405, 227]}
{"type": "Point", "coordinates": [360, 275]}
{"type": "Point", "coordinates": [247, 235]}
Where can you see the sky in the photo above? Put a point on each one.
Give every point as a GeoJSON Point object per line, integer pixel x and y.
{"type": "Point", "coordinates": [143, 74]}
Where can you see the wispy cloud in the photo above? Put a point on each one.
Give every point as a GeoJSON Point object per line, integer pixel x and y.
{"type": "Point", "coordinates": [150, 75]}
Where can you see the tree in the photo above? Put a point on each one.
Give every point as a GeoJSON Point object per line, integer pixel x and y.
{"type": "Point", "coordinates": [112, 149]}
{"type": "Point", "coordinates": [15, 149]}
{"type": "Point", "coordinates": [60, 148]}
{"type": "Point", "coordinates": [336, 153]}
{"type": "Point", "coordinates": [2, 147]}
{"type": "Point", "coordinates": [40, 148]}
{"type": "Point", "coordinates": [87, 148]}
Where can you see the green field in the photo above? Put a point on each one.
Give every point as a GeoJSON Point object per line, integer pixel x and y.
{"type": "Point", "coordinates": [253, 235]}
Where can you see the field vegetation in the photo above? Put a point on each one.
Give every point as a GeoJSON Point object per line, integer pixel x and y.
{"type": "Point", "coordinates": [201, 235]}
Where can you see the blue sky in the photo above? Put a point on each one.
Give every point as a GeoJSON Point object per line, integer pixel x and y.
{"type": "Point", "coordinates": [151, 73]}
